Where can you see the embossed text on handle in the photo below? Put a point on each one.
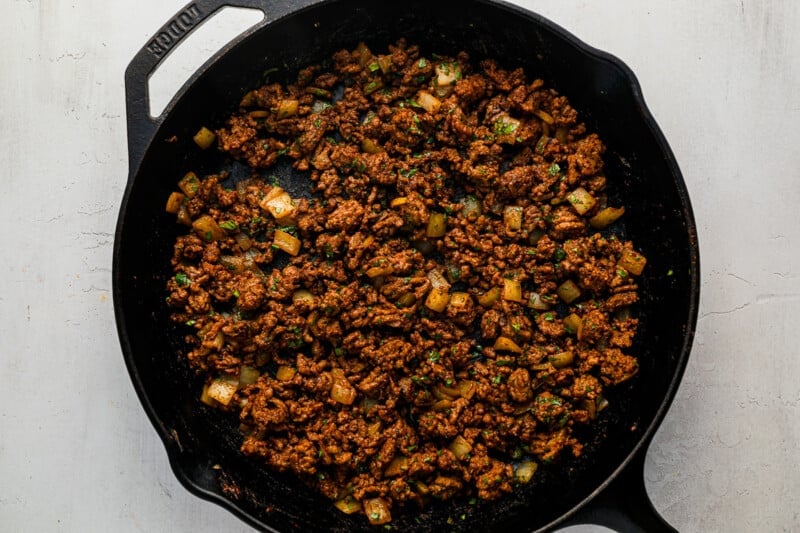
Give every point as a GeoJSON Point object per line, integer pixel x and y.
{"type": "Point", "coordinates": [173, 31]}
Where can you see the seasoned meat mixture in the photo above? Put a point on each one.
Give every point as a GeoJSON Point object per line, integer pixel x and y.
{"type": "Point", "coordinates": [441, 314]}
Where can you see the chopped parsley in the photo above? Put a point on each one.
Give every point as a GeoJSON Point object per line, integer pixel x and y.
{"type": "Point", "coordinates": [182, 279]}
{"type": "Point", "coordinates": [554, 169]}
{"type": "Point", "coordinates": [229, 225]}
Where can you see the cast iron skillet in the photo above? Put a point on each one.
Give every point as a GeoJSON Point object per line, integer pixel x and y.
{"type": "Point", "coordinates": [606, 485]}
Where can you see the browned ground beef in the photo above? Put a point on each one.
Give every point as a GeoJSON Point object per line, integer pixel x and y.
{"type": "Point", "coordinates": [340, 365]}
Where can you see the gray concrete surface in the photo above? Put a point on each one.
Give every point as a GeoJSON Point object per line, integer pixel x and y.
{"type": "Point", "coordinates": [722, 77]}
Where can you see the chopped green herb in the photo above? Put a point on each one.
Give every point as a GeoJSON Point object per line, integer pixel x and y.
{"type": "Point", "coordinates": [236, 293]}
{"type": "Point", "coordinates": [422, 63]}
{"type": "Point", "coordinates": [374, 66]}
{"type": "Point", "coordinates": [559, 254]}
{"type": "Point", "coordinates": [549, 317]}
{"type": "Point", "coordinates": [191, 322]}
{"type": "Point", "coordinates": [554, 169]}
{"type": "Point", "coordinates": [670, 272]}
{"type": "Point", "coordinates": [229, 225]}
{"type": "Point", "coordinates": [434, 356]}
{"type": "Point", "coordinates": [497, 379]}
{"type": "Point", "coordinates": [182, 279]}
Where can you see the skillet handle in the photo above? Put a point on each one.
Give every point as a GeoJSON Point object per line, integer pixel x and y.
{"type": "Point", "coordinates": [624, 505]}
{"type": "Point", "coordinates": [141, 125]}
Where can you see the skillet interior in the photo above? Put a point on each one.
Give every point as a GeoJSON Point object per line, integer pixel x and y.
{"type": "Point", "coordinates": [642, 175]}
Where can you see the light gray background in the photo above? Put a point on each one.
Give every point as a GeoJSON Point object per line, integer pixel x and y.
{"type": "Point", "coordinates": [722, 77]}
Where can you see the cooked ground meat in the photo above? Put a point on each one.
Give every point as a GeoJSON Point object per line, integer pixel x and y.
{"type": "Point", "coordinates": [442, 313]}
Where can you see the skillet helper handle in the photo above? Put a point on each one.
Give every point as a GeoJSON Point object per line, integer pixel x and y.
{"type": "Point", "coordinates": [624, 505]}
{"type": "Point", "coordinates": [141, 125]}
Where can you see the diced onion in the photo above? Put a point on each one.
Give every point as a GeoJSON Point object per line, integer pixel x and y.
{"type": "Point", "coordinates": [546, 117]}
{"type": "Point", "coordinates": [561, 359]}
{"type": "Point", "coordinates": [471, 209]}
{"type": "Point", "coordinates": [303, 296]}
{"type": "Point", "coordinates": [397, 467]}
{"type": "Point", "coordinates": [466, 388]}
{"type": "Point", "coordinates": [243, 241]}
{"type": "Point", "coordinates": [512, 216]}
{"type": "Point", "coordinates": [504, 344]}
{"type": "Point", "coordinates": [460, 447]}
{"type": "Point", "coordinates": [248, 375]}
{"type": "Point", "coordinates": [488, 298]}
{"type": "Point", "coordinates": [438, 280]}
{"type": "Point", "coordinates": [370, 146]}
{"type": "Point", "coordinates": [342, 391]}
{"type": "Point", "coordinates": [537, 302]}
{"type": "Point", "coordinates": [377, 511]}
{"type": "Point", "coordinates": [429, 103]}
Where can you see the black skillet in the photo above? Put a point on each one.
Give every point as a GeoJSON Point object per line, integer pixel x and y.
{"type": "Point", "coordinates": [606, 485]}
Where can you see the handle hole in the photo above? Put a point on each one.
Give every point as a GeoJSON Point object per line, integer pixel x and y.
{"type": "Point", "coordinates": [224, 26]}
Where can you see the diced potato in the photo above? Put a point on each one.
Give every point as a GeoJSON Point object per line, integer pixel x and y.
{"type": "Point", "coordinates": [574, 325]}
{"type": "Point", "coordinates": [223, 389]}
{"type": "Point", "coordinates": [512, 216]}
{"type": "Point", "coordinates": [279, 204]}
{"type": "Point", "coordinates": [561, 359]}
{"type": "Point", "coordinates": [437, 225]}
{"type": "Point", "coordinates": [207, 228]}
{"type": "Point", "coordinates": [568, 291]}
{"type": "Point", "coordinates": [582, 200]}
{"type": "Point", "coordinates": [632, 261]}
{"type": "Point", "coordinates": [606, 217]}
{"type": "Point", "coordinates": [204, 138]}
{"type": "Point", "coordinates": [370, 146]}
{"type": "Point", "coordinates": [460, 447]}
{"type": "Point", "coordinates": [377, 511]}
{"type": "Point", "coordinates": [286, 242]}
{"type": "Point", "coordinates": [379, 267]}
{"type": "Point", "coordinates": [524, 471]}
{"type": "Point", "coordinates": [400, 200]}
{"type": "Point", "coordinates": [429, 103]}
{"type": "Point", "coordinates": [512, 290]}
{"type": "Point", "coordinates": [285, 373]}
{"type": "Point", "coordinates": [437, 300]}
{"type": "Point", "coordinates": [407, 300]}
{"type": "Point", "coordinates": [287, 108]}
{"type": "Point", "coordinates": [504, 344]}
{"type": "Point", "coordinates": [189, 184]}
{"type": "Point", "coordinates": [348, 505]}
{"type": "Point", "coordinates": [488, 298]}
{"type": "Point", "coordinates": [174, 202]}
{"type": "Point", "coordinates": [397, 467]}
{"type": "Point", "coordinates": [459, 299]}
